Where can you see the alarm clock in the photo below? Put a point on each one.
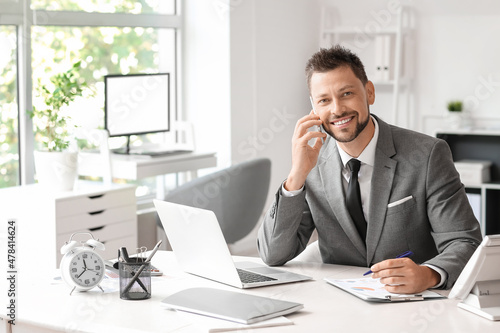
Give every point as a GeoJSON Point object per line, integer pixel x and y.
{"type": "Point", "coordinates": [82, 268]}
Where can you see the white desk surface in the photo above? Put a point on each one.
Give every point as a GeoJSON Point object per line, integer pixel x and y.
{"type": "Point", "coordinates": [137, 167]}
{"type": "Point", "coordinates": [44, 307]}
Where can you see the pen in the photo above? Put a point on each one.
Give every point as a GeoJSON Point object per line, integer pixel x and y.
{"type": "Point", "coordinates": [125, 254]}
{"type": "Point", "coordinates": [402, 255]}
{"type": "Point", "coordinates": [136, 276]}
{"type": "Point", "coordinates": [154, 251]}
{"type": "Point", "coordinates": [405, 298]}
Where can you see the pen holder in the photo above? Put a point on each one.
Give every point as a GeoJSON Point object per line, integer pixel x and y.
{"type": "Point", "coordinates": [141, 287]}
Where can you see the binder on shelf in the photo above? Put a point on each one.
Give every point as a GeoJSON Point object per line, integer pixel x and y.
{"type": "Point", "coordinates": [386, 58]}
{"type": "Point", "coordinates": [379, 57]}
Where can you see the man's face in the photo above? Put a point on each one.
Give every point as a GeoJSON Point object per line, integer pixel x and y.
{"type": "Point", "coordinates": [342, 102]}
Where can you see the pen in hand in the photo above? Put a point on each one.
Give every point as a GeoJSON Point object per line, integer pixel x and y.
{"type": "Point", "coordinates": [402, 255]}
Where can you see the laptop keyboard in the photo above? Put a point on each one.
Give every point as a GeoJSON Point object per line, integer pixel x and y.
{"type": "Point", "coordinates": [249, 277]}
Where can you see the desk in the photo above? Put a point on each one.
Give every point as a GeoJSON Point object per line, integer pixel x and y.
{"type": "Point", "coordinates": [136, 167]}
{"type": "Point", "coordinates": [49, 308]}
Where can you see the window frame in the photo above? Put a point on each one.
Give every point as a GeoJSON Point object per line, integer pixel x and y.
{"type": "Point", "coordinates": [20, 14]}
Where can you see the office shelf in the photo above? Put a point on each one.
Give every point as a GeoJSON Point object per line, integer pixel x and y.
{"type": "Point", "coordinates": [480, 145]}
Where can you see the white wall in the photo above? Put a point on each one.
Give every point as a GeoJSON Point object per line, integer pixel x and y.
{"type": "Point", "coordinates": [205, 67]}
{"type": "Point", "coordinates": [458, 51]}
{"type": "Point", "coordinates": [244, 86]}
{"type": "Point", "coordinates": [270, 44]}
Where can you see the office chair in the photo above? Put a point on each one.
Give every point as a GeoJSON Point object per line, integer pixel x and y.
{"type": "Point", "coordinates": [236, 195]}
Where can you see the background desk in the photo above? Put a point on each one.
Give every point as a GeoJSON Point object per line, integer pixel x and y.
{"type": "Point", "coordinates": [135, 167]}
{"type": "Point", "coordinates": [48, 308]}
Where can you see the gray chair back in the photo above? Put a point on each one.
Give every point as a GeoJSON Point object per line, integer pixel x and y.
{"type": "Point", "coordinates": [236, 195]}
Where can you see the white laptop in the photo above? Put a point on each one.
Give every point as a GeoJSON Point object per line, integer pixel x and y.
{"type": "Point", "coordinates": [200, 248]}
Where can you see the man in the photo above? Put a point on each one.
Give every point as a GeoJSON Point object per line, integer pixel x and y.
{"type": "Point", "coordinates": [410, 193]}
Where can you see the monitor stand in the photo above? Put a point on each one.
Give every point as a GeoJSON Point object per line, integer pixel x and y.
{"type": "Point", "coordinates": [148, 151]}
{"type": "Point", "coordinates": [124, 150]}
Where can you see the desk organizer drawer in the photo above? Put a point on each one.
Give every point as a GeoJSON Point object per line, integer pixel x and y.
{"type": "Point", "coordinates": [94, 202]}
{"type": "Point", "coordinates": [112, 246]}
{"type": "Point", "coordinates": [107, 234]}
{"type": "Point", "coordinates": [95, 219]}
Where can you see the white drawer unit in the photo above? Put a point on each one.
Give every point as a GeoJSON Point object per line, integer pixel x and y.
{"type": "Point", "coordinates": [121, 232]}
{"type": "Point", "coordinates": [46, 219]}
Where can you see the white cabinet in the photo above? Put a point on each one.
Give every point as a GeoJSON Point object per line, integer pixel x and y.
{"type": "Point", "coordinates": [46, 219]}
{"type": "Point", "coordinates": [385, 44]}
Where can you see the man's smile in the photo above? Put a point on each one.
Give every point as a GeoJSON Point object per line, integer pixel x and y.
{"type": "Point", "coordinates": [342, 121]}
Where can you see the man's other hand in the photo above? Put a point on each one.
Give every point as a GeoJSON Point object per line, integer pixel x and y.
{"type": "Point", "coordinates": [404, 276]}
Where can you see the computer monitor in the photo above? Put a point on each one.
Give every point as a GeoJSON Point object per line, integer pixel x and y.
{"type": "Point", "coordinates": [136, 104]}
{"type": "Point", "coordinates": [479, 283]}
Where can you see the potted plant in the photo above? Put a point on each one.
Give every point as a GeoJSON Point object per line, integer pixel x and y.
{"type": "Point", "coordinates": [55, 166]}
{"type": "Point", "coordinates": [455, 106]}
{"type": "Point", "coordinates": [455, 114]}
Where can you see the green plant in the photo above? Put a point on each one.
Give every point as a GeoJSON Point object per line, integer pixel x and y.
{"type": "Point", "coordinates": [455, 106]}
{"type": "Point", "coordinates": [51, 120]}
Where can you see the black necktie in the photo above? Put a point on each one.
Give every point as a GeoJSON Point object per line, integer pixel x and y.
{"type": "Point", "coordinates": [353, 199]}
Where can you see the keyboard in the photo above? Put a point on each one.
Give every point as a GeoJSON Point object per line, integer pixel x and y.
{"type": "Point", "coordinates": [249, 277]}
{"type": "Point", "coordinates": [162, 152]}
{"type": "Point", "coordinates": [152, 152]}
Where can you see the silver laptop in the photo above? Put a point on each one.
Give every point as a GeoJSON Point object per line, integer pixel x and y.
{"type": "Point", "coordinates": [200, 248]}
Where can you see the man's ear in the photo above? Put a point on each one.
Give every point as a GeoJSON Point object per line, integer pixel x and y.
{"type": "Point", "coordinates": [370, 92]}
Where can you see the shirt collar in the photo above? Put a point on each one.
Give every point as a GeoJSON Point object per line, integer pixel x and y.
{"type": "Point", "coordinates": [367, 156]}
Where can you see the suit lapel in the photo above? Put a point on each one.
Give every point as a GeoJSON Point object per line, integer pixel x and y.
{"type": "Point", "coordinates": [382, 179]}
{"type": "Point", "coordinates": [330, 171]}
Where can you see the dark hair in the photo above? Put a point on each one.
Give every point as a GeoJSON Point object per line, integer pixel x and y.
{"type": "Point", "coordinates": [336, 56]}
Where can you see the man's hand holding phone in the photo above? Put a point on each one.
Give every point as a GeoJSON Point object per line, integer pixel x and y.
{"type": "Point", "coordinates": [304, 156]}
{"type": "Point", "coordinates": [317, 128]}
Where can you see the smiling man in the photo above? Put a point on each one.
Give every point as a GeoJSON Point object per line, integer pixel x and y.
{"type": "Point", "coordinates": [371, 190]}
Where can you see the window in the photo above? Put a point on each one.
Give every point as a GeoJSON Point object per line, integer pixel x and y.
{"type": "Point", "coordinates": [108, 6]}
{"type": "Point", "coordinates": [139, 37]}
{"type": "Point", "coordinates": [9, 149]}
{"type": "Point", "coordinates": [102, 50]}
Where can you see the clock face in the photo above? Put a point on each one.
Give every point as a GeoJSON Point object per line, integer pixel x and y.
{"type": "Point", "coordinates": [86, 269]}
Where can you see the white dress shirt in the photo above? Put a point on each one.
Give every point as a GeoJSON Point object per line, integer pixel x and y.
{"type": "Point", "coordinates": [367, 159]}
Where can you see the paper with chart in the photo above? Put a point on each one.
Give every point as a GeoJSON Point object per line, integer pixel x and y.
{"type": "Point", "coordinates": [372, 290]}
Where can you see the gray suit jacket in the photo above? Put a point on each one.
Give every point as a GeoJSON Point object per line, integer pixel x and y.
{"type": "Point", "coordinates": [437, 223]}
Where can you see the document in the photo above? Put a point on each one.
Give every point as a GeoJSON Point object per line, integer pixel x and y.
{"type": "Point", "coordinates": [229, 305]}
{"type": "Point", "coordinates": [372, 290]}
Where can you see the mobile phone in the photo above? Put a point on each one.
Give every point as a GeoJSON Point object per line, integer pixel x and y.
{"type": "Point", "coordinates": [316, 128]}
